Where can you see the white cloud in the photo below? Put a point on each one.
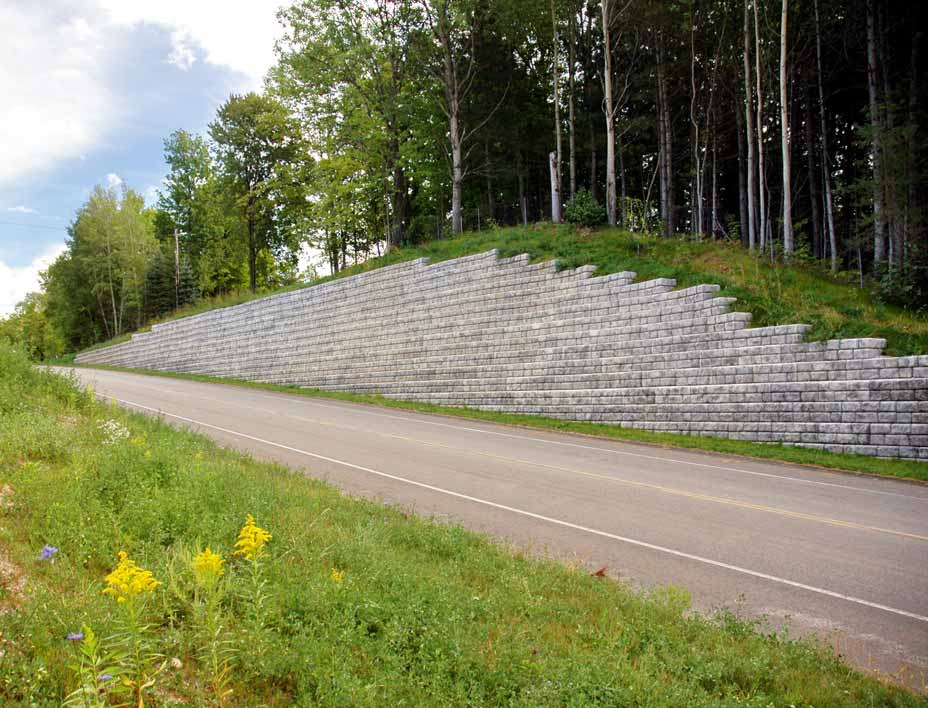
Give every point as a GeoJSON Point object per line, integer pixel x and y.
{"type": "Point", "coordinates": [237, 35]}
{"type": "Point", "coordinates": [56, 104]}
{"type": "Point", "coordinates": [22, 209]}
{"type": "Point", "coordinates": [182, 53]}
{"type": "Point", "coordinates": [113, 180]}
{"type": "Point", "coordinates": [16, 283]}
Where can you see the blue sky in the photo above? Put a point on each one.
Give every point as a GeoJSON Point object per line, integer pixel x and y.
{"type": "Point", "coordinates": [92, 89]}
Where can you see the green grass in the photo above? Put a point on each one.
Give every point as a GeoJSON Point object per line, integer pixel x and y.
{"type": "Point", "coordinates": [863, 464]}
{"type": "Point", "coordinates": [425, 614]}
{"type": "Point", "coordinates": [773, 292]}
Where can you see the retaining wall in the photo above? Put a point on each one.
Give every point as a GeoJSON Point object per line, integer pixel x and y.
{"type": "Point", "coordinates": [501, 334]}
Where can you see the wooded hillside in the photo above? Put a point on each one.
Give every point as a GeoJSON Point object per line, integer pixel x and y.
{"type": "Point", "coordinates": [796, 128]}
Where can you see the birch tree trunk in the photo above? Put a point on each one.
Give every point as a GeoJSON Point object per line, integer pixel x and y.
{"type": "Point", "coordinates": [610, 117]}
{"type": "Point", "coordinates": [571, 74]}
{"type": "Point", "coordinates": [785, 135]}
{"type": "Point", "coordinates": [761, 170]}
{"type": "Point", "coordinates": [742, 179]}
{"type": "Point", "coordinates": [879, 236]}
{"type": "Point", "coordinates": [556, 175]}
{"type": "Point", "coordinates": [749, 123]}
{"type": "Point", "coordinates": [826, 165]}
{"type": "Point", "coordinates": [555, 189]}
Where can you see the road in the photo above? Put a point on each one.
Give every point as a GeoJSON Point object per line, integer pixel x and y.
{"type": "Point", "coordinates": [838, 555]}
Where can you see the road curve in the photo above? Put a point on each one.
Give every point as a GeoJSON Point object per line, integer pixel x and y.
{"type": "Point", "coordinates": [838, 555]}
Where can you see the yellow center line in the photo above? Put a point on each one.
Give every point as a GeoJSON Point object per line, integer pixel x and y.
{"type": "Point", "coordinates": [626, 482]}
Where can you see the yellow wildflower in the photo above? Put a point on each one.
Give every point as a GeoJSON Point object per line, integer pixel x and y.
{"type": "Point", "coordinates": [128, 581]}
{"type": "Point", "coordinates": [207, 566]}
{"type": "Point", "coordinates": [251, 539]}
{"type": "Point", "coordinates": [337, 575]}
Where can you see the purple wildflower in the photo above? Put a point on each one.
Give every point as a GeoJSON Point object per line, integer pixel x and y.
{"type": "Point", "coordinates": [47, 552]}
{"type": "Point", "coordinates": [75, 636]}
{"type": "Point", "coordinates": [104, 677]}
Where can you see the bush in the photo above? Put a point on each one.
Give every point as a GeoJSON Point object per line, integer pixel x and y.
{"type": "Point", "coordinates": [905, 287]}
{"type": "Point", "coordinates": [584, 210]}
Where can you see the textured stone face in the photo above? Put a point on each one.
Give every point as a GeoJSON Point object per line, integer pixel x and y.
{"type": "Point", "coordinates": [508, 336]}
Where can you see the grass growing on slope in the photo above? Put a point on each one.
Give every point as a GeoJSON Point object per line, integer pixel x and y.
{"type": "Point", "coordinates": [775, 293]}
{"type": "Point", "coordinates": [348, 603]}
{"type": "Point", "coordinates": [886, 467]}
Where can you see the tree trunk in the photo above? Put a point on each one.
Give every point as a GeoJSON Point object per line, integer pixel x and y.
{"type": "Point", "coordinates": [879, 236]}
{"type": "Point", "coordinates": [696, 193]}
{"type": "Point", "coordinates": [555, 189]}
{"type": "Point", "coordinates": [818, 242]}
{"type": "Point", "coordinates": [491, 197]}
{"type": "Point", "coordinates": [749, 122]}
{"type": "Point", "coordinates": [761, 168]}
{"type": "Point", "coordinates": [624, 184]}
{"type": "Point", "coordinates": [571, 74]}
{"type": "Point", "coordinates": [400, 210]}
{"type": "Point", "coordinates": [457, 176]}
{"type": "Point", "coordinates": [912, 220]}
{"type": "Point", "coordinates": [610, 117]}
{"type": "Point", "coordinates": [665, 152]}
{"type": "Point", "coordinates": [826, 165]}
{"type": "Point", "coordinates": [520, 176]}
{"type": "Point", "coordinates": [742, 178]}
{"type": "Point", "coordinates": [556, 185]}
{"type": "Point", "coordinates": [252, 253]}
{"type": "Point", "coordinates": [594, 167]}
{"type": "Point", "coordinates": [785, 135]}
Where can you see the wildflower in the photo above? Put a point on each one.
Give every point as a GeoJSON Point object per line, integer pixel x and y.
{"type": "Point", "coordinates": [113, 431]}
{"type": "Point", "coordinates": [75, 636]}
{"type": "Point", "coordinates": [207, 566]}
{"type": "Point", "coordinates": [47, 552]}
{"type": "Point", "coordinates": [337, 575]}
{"type": "Point", "coordinates": [104, 677]}
{"type": "Point", "coordinates": [128, 581]}
{"type": "Point", "coordinates": [251, 539]}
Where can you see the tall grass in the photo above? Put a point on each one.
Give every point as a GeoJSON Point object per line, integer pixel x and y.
{"type": "Point", "coordinates": [355, 603]}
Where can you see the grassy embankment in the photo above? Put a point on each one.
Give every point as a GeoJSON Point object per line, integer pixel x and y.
{"type": "Point", "coordinates": [356, 604]}
{"type": "Point", "coordinates": [772, 292]}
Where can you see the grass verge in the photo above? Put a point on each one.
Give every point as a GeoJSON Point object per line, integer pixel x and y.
{"type": "Point", "coordinates": [775, 293]}
{"type": "Point", "coordinates": [861, 464]}
{"type": "Point", "coordinates": [349, 603]}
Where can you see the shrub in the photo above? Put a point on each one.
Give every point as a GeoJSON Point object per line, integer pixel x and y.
{"type": "Point", "coordinates": [584, 210]}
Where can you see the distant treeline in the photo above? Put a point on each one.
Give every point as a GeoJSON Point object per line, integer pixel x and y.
{"type": "Point", "coordinates": [797, 128]}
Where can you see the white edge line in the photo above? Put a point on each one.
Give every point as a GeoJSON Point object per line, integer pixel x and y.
{"type": "Point", "coordinates": [540, 517]}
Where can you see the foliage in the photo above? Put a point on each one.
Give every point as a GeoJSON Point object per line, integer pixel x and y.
{"type": "Point", "coordinates": [904, 286]}
{"type": "Point", "coordinates": [164, 291]}
{"type": "Point", "coordinates": [97, 286]}
{"type": "Point", "coordinates": [584, 210]}
{"type": "Point", "coordinates": [261, 155]}
{"type": "Point", "coordinates": [416, 612]}
{"type": "Point", "coordinates": [30, 329]}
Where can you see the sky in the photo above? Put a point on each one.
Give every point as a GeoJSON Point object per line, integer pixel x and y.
{"type": "Point", "coordinates": [91, 88]}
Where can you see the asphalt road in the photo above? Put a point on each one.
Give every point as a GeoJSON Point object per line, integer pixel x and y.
{"type": "Point", "coordinates": [843, 556]}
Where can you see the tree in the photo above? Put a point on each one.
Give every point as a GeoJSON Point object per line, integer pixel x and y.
{"type": "Point", "coordinates": [96, 288]}
{"type": "Point", "coordinates": [785, 136]}
{"type": "Point", "coordinates": [348, 68]}
{"type": "Point", "coordinates": [28, 327]}
{"type": "Point", "coordinates": [183, 197]}
{"type": "Point", "coordinates": [258, 146]}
